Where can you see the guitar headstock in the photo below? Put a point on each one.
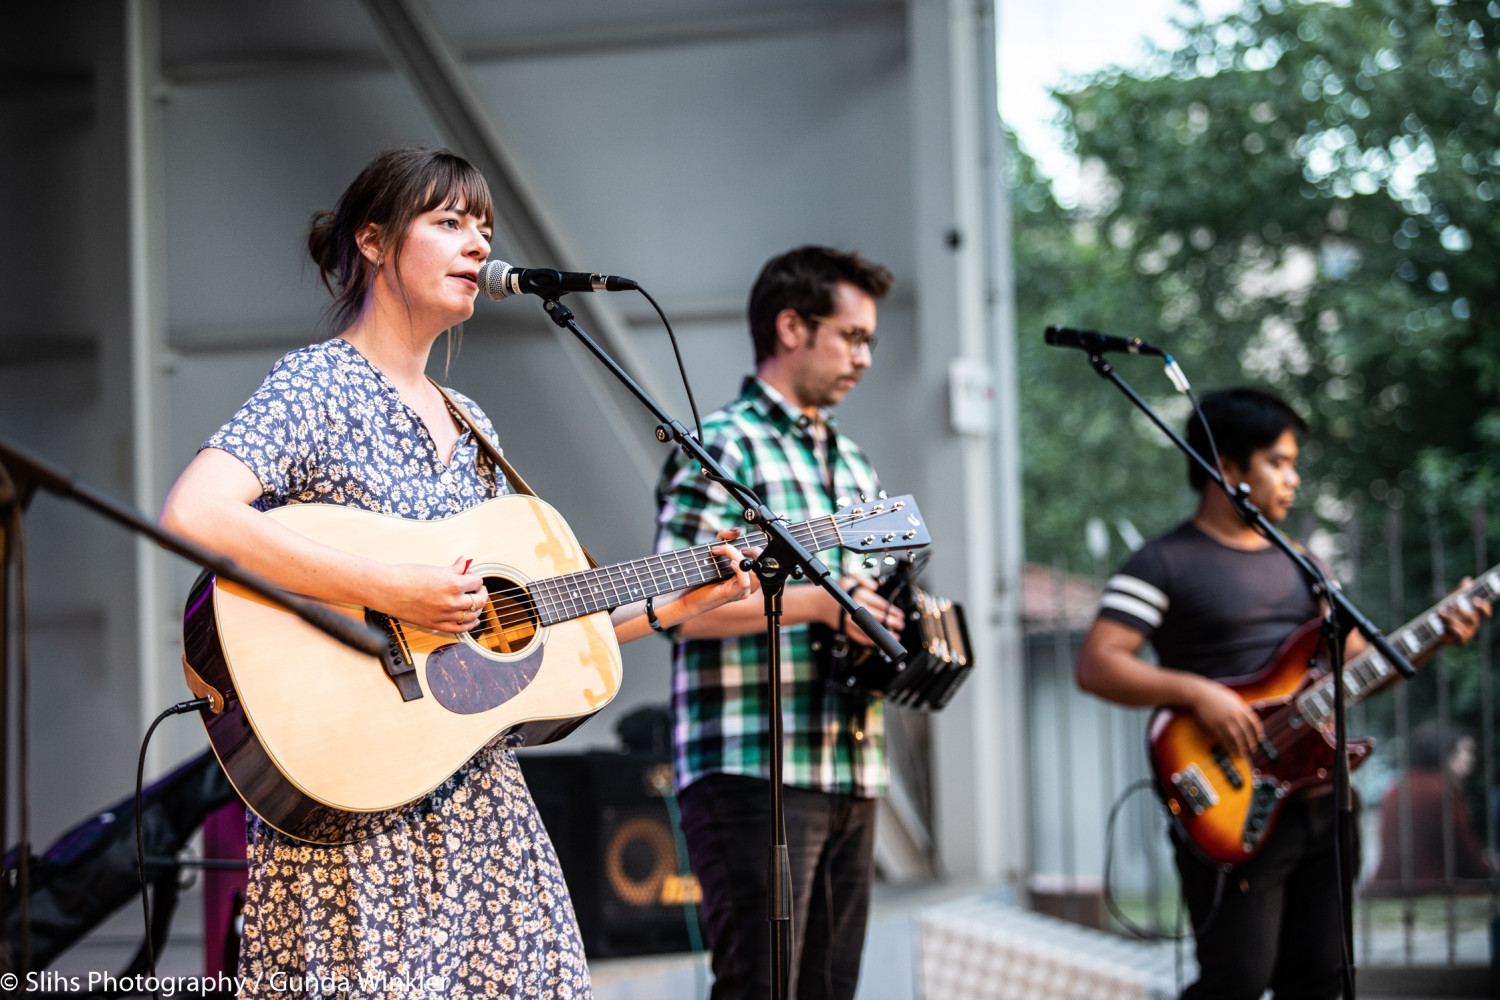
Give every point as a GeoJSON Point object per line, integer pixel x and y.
{"type": "Point", "coordinates": [882, 525]}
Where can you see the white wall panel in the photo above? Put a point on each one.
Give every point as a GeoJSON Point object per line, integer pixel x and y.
{"type": "Point", "coordinates": [680, 143]}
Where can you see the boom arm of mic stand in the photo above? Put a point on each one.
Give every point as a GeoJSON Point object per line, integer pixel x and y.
{"type": "Point", "coordinates": [31, 471]}
{"type": "Point", "coordinates": [1332, 594]}
{"type": "Point", "coordinates": [756, 512]}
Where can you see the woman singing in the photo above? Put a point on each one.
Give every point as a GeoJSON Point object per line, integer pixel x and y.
{"type": "Point", "coordinates": [463, 896]}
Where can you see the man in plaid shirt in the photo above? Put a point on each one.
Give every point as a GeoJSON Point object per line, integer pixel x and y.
{"type": "Point", "coordinates": [812, 322]}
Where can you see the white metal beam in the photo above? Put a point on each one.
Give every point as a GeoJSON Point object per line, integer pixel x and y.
{"type": "Point", "coordinates": [956, 270]}
{"type": "Point", "coordinates": [630, 31]}
{"type": "Point", "coordinates": [1011, 782]}
{"type": "Point", "coordinates": [145, 227]}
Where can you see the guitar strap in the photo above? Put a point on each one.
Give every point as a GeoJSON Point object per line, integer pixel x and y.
{"type": "Point", "coordinates": [512, 477]}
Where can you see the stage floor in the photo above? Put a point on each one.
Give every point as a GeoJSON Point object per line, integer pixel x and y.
{"type": "Point", "coordinates": [892, 963]}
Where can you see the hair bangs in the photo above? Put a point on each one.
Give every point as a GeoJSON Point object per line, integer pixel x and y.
{"type": "Point", "coordinates": [456, 184]}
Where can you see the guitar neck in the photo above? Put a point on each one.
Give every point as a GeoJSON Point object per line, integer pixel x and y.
{"type": "Point", "coordinates": [1369, 672]}
{"type": "Point", "coordinates": [604, 588]}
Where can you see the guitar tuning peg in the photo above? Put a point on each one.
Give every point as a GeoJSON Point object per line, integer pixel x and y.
{"type": "Point", "coordinates": [863, 498]}
{"type": "Point", "coordinates": [890, 560]}
{"type": "Point", "coordinates": [869, 563]}
{"type": "Point", "coordinates": [882, 495]}
{"type": "Point", "coordinates": [841, 502]}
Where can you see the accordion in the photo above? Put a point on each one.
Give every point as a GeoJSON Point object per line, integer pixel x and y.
{"type": "Point", "coordinates": [936, 638]}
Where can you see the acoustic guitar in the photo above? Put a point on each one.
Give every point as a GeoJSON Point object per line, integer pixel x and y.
{"type": "Point", "coordinates": [1226, 803]}
{"type": "Point", "coordinates": [329, 745]}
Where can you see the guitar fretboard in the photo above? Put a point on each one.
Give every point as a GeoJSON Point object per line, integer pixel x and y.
{"type": "Point", "coordinates": [604, 588]}
{"type": "Point", "coordinates": [1369, 671]}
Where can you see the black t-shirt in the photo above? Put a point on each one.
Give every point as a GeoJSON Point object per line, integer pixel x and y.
{"type": "Point", "coordinates": [1206, 607]}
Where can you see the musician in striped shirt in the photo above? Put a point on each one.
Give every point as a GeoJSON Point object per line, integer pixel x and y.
{"type": "Point", "coordinates": [1215, 599]}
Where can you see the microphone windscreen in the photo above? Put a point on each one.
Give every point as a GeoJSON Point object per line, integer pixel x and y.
{"type": "Point", "coordinates": [492, 279]}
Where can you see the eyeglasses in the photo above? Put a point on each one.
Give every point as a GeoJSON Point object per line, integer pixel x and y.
{"type": "Point", "coordinates": [854, 337]}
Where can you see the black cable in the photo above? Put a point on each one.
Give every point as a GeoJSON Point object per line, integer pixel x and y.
{"type": "Point", "coordinates": [1135, 931]}
{"type": "Point", "coordinates": [739, 491]}
{"type": "Point", "coordinates": [682, 369]}
{"type": "Point", "coordinates": [140, 836]}
{"type": "Point", "coordinates": [1213, 447]}
{"type": "Point", "coordinates": [1131, 928]}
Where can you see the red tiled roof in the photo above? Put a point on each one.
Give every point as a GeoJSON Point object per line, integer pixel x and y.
{"type": "Point", "coordinates": [1044, 602]}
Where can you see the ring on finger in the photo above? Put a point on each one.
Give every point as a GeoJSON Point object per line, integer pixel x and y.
{"type": "Point", "coordinates": [472, 604]}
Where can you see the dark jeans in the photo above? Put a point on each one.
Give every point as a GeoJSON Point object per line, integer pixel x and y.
{"type": "Point", "coordinates": [831, 843]}
{"type": "Point", "coordinates": [1277, 926]}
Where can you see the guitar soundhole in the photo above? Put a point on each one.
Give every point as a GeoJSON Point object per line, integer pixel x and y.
{"type": "Point", "coordinates": [507, 622]}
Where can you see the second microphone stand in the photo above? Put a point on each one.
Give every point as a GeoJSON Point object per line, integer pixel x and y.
{"type": "Point", "coordinates": [1337, 608]}
{"type": "Point", "coordinates": [782, 557]}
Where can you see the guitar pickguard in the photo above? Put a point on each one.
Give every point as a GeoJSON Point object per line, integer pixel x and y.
{"type": "Point", "coordinates": [467, 682]}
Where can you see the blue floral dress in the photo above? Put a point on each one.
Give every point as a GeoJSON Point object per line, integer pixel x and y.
{"type": "Point", "coordinates": [463, 897]}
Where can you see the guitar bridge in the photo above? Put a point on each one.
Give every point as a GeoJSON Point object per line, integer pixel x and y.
{"type": "Point", "coordinates": [1195, 789]}
{"type": "Point", "coordinates": [396, 659]}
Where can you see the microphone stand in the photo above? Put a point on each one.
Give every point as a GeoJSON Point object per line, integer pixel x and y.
{"type": "Point", "coordinates": [1337, 606]}
{"type": "Point", "coordinates": [21, 474]}
{"type": "Point", "coordinates": [783, 556]}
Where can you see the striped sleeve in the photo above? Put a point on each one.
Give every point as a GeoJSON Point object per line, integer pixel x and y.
{"type": "Point", "coordinates": [1137, 595]}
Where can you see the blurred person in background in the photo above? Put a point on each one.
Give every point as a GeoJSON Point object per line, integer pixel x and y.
{"type": "Point", "coordinates": [1443, 755]}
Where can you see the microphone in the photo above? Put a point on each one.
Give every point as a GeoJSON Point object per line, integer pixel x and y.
{"type": "Point", "coordinates": [499, 280]}
{"type": "Point", "coordinates": [1100, 343]}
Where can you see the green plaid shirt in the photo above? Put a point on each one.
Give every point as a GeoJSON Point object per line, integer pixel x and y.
{"type": "Point", "coordinates": [833, 739]}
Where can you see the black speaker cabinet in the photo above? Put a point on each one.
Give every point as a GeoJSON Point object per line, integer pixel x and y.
{"type": "Point", "coordinates": [614, 838]}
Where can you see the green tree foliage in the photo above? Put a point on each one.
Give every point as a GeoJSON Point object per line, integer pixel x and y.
{"type": "Point", "coordinates": [1301, 195]}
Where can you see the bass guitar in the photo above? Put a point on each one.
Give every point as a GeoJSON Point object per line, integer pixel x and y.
{"type": "Point", "coordinates": [1226, 803]}
{"type": "Point", "coordinates": [329, 745]}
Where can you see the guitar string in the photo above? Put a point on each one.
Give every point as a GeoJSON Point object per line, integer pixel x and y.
{"type": "Point", "coordinates": [552, 589]}
{"type": "Point", "coordinates": [548, 592]}
{"type": "Point", "coordinates": [1284, 719]}
{"type": "Point", "coordinates": [1366, 663]}
{"type": "Point", "coordinates": [623, 580]}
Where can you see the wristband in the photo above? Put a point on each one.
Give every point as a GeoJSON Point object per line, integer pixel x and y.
{"type": "Point", "coordinates": [651, 618]}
